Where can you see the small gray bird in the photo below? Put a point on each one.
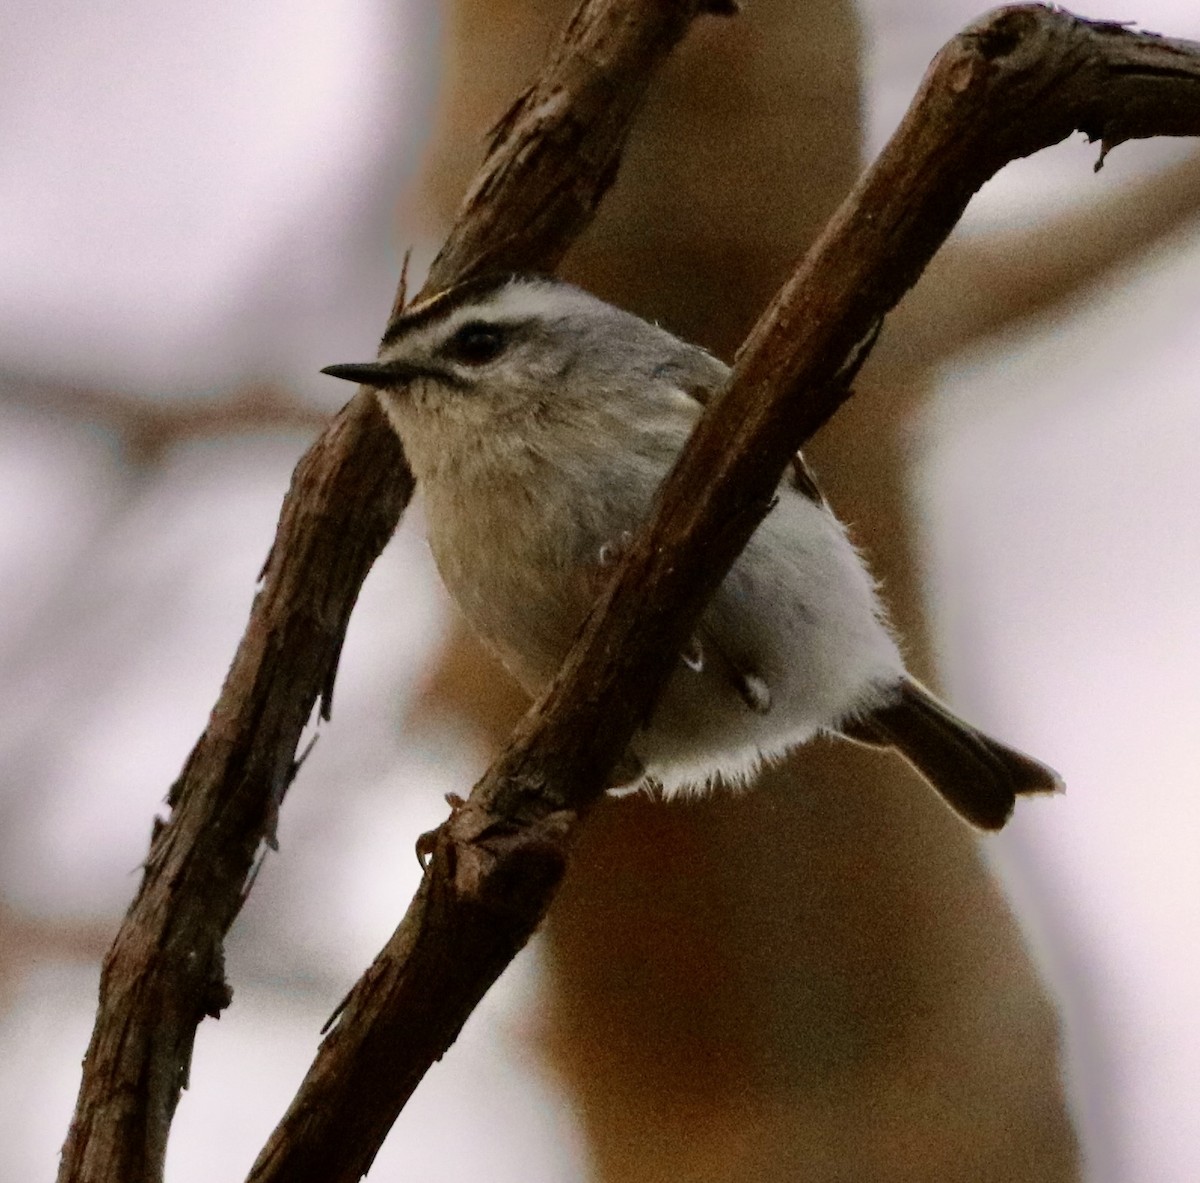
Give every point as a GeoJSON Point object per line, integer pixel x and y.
{"type": "Point", "coordinates": [539, 422]}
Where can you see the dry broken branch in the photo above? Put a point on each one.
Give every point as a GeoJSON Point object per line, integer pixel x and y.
{"type": "Point", "coordinates": [1020, 80]}
{"type": "Point", "coordinates": [1017, 81]}
{"type": "Point", "coordinates": [553, 156]}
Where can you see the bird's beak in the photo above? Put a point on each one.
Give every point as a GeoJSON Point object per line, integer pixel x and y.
{"type": "Point", "coordinates": [380, 374]}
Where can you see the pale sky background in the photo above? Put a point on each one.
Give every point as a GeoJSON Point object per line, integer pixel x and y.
{"type": "Point", "coordinates": [196, 197]}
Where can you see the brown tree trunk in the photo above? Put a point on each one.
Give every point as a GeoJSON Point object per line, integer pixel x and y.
{"type": "Point", "coordinates": [855, 1003]}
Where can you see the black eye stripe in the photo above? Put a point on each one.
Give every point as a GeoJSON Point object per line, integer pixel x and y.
{"type": "Point", "coordinates": [476, 343]}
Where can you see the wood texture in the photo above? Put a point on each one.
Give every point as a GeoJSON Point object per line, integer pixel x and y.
{"type": "Point", "coordinates": [552, 158]}
{"type": "Point", "coordinates": [1017, 81]}
{"type": "Point", "coordinates": [1023, 78]}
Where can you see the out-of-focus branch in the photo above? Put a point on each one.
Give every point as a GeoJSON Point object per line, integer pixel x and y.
{"type": "Point", "coordinates": [26, 941]}
{"type": "Point", "coordinates": [981, 285]}
{"type": "Point", "coordinates": [1019, 80]}
{"type": "Point", "coordinates": [552, 158]}
{"type": "Point", "coordinates": [148, 426]}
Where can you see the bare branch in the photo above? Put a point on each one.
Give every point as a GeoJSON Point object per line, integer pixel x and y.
{"type": "Point", "coordinates": [555, 152]}
{"type": "Point", "coordinates": [552, 158]}
{"type": "Point", "coordinates": [148, 426]}
{"type": "Point", "coordinates": [983, 285]}
{"type": "Point", "coordinates": [27, 941]}
{"type": "Point", "coordinates": [1017, 81]}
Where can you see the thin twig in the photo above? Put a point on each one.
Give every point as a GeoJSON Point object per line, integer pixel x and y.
{"type": "Point", "coordinates": [148, 427]}
{"type": "Point", "coordinates": [1017, 81]}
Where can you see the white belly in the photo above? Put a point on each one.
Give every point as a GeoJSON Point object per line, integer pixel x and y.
{"type": "Point", "coordinates": [798, 614]}
{"type": "Point", "coordinates": [797, 611]}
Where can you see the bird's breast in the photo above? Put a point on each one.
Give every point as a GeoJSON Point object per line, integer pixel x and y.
{"type": "Point", "coordinates": [505, 555]}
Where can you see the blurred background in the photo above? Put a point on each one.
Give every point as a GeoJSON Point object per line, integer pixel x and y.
{"type": "Point", "coordinates": [826, 979]}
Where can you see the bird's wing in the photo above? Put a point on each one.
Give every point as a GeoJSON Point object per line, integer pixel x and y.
{"type": "Point", "coordinates": [702, 377]}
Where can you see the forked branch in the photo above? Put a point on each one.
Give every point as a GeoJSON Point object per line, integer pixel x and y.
{"type": "Point", "coordinates": [1019, 80]}
{"type": "Point", "coordinates": [552, 159]}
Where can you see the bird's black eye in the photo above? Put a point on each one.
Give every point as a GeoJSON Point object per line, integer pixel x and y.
{"type": "Point", "coordinates": [476, 343]}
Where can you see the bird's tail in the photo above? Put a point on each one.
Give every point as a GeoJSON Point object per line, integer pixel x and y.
{"type": "Point", "coordinates": [979, 777]}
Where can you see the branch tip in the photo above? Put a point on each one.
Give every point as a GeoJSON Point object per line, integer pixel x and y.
{"type": "Point", "coordinates": [351, 488]}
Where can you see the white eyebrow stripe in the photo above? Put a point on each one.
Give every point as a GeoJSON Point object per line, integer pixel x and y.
{"type": "Point", "coordinates": [513, 300]}
{"type": "Point", "coordinates": [515, 303]}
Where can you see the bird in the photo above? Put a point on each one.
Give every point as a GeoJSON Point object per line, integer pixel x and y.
{"type": "Point", "coordinates": [539, 421]}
